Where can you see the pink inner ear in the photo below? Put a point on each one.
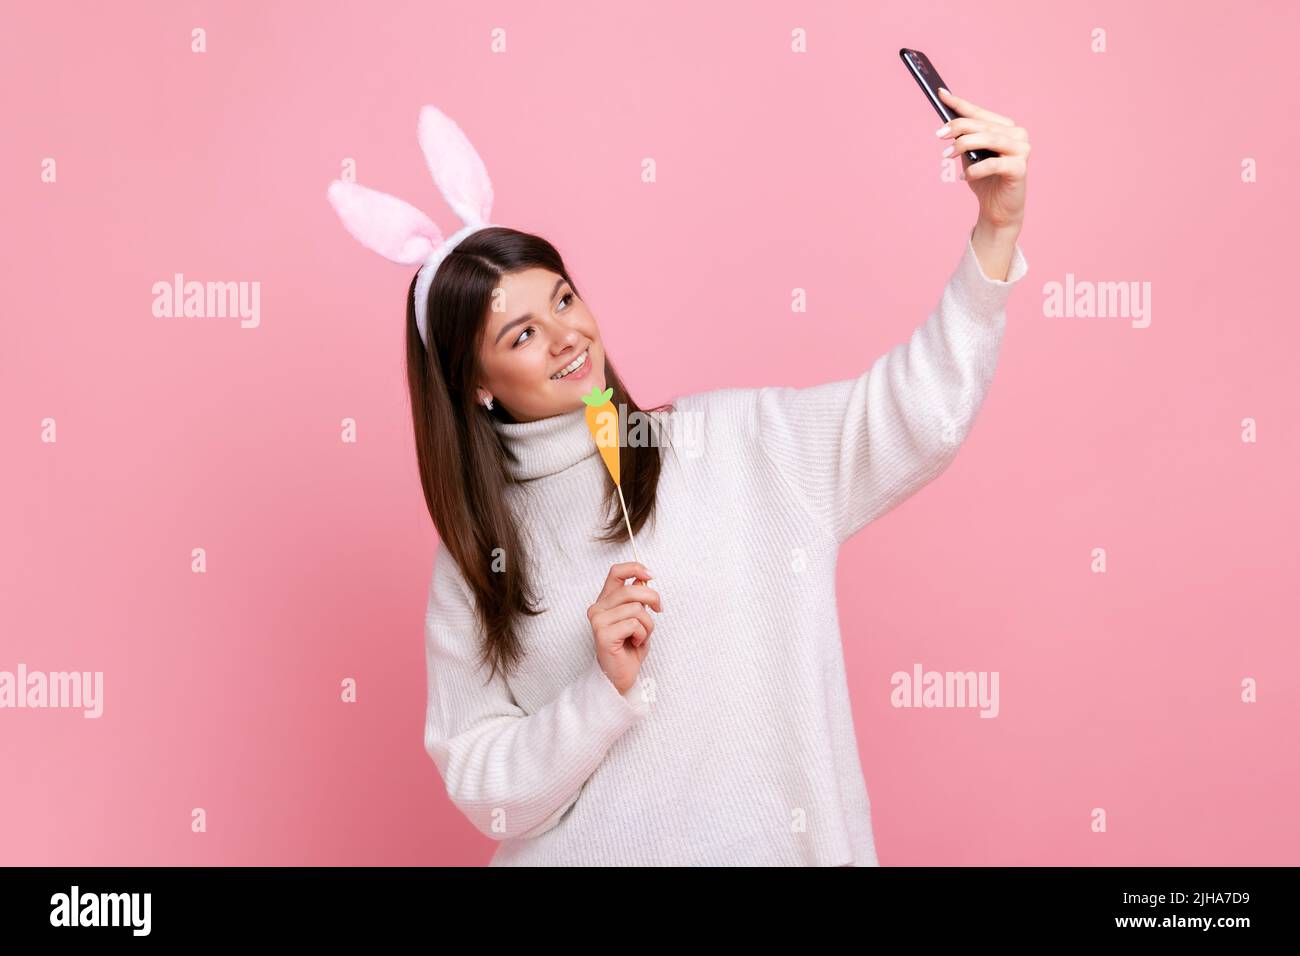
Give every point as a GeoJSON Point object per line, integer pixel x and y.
{"type": "Point", "coordinates": [385, 224]}
{"type": "Point", "coordinates": [455, 166]}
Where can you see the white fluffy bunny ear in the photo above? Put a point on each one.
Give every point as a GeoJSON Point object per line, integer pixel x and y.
{"type": "Point", "coordinates": [456, 167]}
{"type": "Point", "coordinates": [385, 224]}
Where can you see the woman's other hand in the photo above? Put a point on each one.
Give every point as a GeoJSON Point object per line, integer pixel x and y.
{"type": "Point", "coordinates": [621, 624]}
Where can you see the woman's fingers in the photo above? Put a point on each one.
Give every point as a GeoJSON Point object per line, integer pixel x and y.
{"type": "Point", "coordinates": [623, 611]}
{"type": "Point", "coordinates": [1004, 145]}
{"type": "Point", "coordinates": [641, 593]}
{"type": "Point", "coordinates": [618, 616]}
{"type": "Point", "coordinates": [967, 108]}
{"type": "Point", "coordinates": [634, 629]}
{"type": "Point", "coordinates": [619, 573]}
{"type": "Point", "coordinates": [965, 124]}
{"type": "Point", "coordinates": [623, 593]}
{"type": "Point", "coordinates": [994, 166]}
{"type": "Point", "coordinates": [617, 632]}
{"type": "Point", "coordinates": [618, 610]}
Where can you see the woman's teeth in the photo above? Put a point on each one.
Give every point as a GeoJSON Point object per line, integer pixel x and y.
{"type": "Point", "coordinates": [571, 367]}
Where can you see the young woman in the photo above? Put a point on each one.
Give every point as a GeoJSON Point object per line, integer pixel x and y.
{"type": "Point", "coordinates": [580, 715]}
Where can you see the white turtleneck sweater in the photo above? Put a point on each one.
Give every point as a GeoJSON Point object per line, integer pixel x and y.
{"type": "Point", "coordinates": [736, 745]}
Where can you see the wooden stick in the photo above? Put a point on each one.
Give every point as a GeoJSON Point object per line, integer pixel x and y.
{"type": "Point", "coordinates": [628, 522]}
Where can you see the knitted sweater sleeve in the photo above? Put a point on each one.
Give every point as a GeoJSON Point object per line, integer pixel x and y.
{"type": "Point", "coordinates": [854, 449]}
{"type": "Point", "coordinates": [513, 774]}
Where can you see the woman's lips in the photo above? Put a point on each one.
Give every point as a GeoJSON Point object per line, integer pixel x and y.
{"type": "Point", "coordinates": [581, 373]}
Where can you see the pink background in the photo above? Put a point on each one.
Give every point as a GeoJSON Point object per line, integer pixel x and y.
{"type": "Point", "coordinates": [775, 170]}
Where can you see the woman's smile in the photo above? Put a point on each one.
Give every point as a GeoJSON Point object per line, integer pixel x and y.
{"type": "Point", "coordinates": [576, 370]}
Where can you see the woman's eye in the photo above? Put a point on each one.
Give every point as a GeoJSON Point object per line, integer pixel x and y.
{"type": "Point", "coordinates": [567, 295]}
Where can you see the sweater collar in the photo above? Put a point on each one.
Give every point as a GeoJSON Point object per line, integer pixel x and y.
{"type": "Point", "coordinates": [546, 446]}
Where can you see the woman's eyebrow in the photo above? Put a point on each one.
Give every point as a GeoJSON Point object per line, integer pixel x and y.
{"type": "Point", "coordinates": [527, 316]}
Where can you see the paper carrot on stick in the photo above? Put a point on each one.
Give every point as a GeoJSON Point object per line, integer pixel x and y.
{"type": "Point", "coordinates": [602, 422]}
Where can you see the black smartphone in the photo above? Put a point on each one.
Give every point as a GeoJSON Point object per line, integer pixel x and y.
{"type": "Point", "coordinates": [919, 65]}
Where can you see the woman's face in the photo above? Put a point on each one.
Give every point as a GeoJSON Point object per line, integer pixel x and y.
{"type": "Point", "coordinates": [536, 328]}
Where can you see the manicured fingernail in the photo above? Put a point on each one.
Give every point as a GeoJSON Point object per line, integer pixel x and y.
{"type": "Point", "coordinates": [943, 89]}
{"type": "Point", "coordinates": [942, 131]}
{"type": "Point", "coordinates": [947, 151]}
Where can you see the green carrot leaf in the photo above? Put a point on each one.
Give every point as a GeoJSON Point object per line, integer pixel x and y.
{"type": "Point", "coordinates": [596, 397]}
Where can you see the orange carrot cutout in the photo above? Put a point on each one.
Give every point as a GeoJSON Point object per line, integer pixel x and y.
{"type": "Point", "coordinates": [602, 422]}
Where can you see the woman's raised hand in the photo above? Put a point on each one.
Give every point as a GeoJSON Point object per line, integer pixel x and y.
{"type": "Point", "coordinates": [621, 623]}
{"type": "Point", "coordinates": [998, 182]}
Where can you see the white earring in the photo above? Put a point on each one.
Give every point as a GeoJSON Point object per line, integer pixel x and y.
{"type": "Point", "coordinates": [488, 402]}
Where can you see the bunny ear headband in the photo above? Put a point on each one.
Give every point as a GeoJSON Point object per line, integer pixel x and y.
{"type": "Point", "coordinates": [401, 233]}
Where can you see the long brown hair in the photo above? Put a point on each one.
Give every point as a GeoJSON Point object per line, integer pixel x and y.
{"type": "Point", "coordinates": [461, 460]}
